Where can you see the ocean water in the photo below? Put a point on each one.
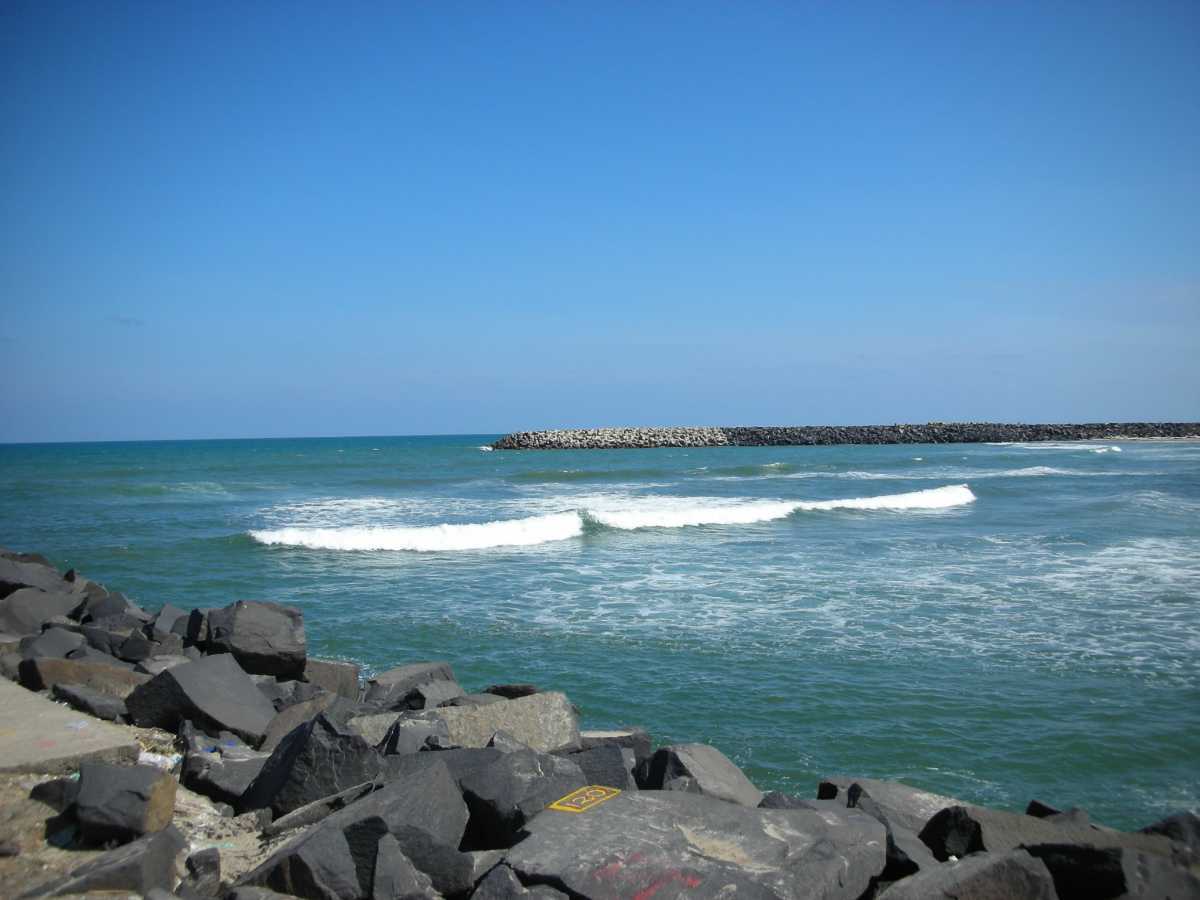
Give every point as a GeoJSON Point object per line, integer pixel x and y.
{"type": "Point", "coordinates": [995, 622]}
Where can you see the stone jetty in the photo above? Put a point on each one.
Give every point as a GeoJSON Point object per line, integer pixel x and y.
{"type": "Point", "coordinates": [816, 435]}
{"type": "Point", "coordinates": [229, 763]}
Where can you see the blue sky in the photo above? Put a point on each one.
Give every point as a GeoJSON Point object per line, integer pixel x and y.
{"type": "Point", "coordinates": [273, 219]}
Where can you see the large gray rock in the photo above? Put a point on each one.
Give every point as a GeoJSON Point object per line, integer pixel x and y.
{"type": "Point", "coordinates": [55, 643]}
{"type": "Point", "coordinates": [905, 806]}
{"type": "Point", "coordinates": [503, 796]}
{"type": "Point", "coordinates": [984, 876]}
{"type": "Point", "coordinates": [906, 853]}
{"type": "Point", "coordinates": [25, 570]}
{"type": "Point", "coordinates": [121, 803]}
{"type": "Point", "coordinates": [220, 770]}
{"type": "Point", "coordinates": [410, 734]}
{"type": "Point", "coordinates": [265, 638]}
{"type": "Point", "coordinates": [316, 760]}
{"type": "Point", "coordinates": [605, 764]}
{"type": "Point", "coordinates": [546, 722]}
{"type": "Point", "coordinates": [292, 717]}
{"type": "Point", "coordinates": [1182, 827]}
{"type": "Point", "coordinates": [334, 675]}
{"type": "Point", "coordinates": [388, 690]}
{"type": "Point", "coordinates": [45, 673]}
{"type": "Point", "coordinates": [93, 702]}
{"type": "Point", "coordinates": [372, 727]}
{"type": "Point", "coordinates": [961, 830]}
{"type": "Point", "coordinates": [1086, 872]}
{"type": "Point", "coordinates": [424, 813]}
{"type": "Point", "coordinates": [203, 873]}
{"type": "Point", "coordinates": [138, 867]}
{"type": "Point", "coordinates": [710, 772]}
{"type": "Point", "coordinates": [635, 739]}
{"type": "Point", "coordinates": [26, 609]}
{"type": "Point", "coordinates": [213, 692]}
{"type": "Point", "coordinates": [676, 844]}
{"type": "Point", "coordinates": [501, 884]}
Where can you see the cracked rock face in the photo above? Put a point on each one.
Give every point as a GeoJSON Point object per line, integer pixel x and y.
{"type": "Point", "coordinates": [675, 843]}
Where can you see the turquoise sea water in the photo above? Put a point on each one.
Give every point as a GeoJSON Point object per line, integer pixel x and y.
{"type": "Point", "coordinates": [1009, 622]}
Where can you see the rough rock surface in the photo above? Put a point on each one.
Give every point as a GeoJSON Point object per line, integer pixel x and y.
{"type": "Point", "coordinates": [983, 876]}
{"type": "Point", "coordinates": [121, 803]}
{"type": "Point", "coordinates": [763, 436]}
{"type": "Point", "coordinates": [213, 692]}
{"type": "Point", "coordinates": [315, 760]}
{"type": "Point", "coordinates": [710, 772]}
{"type": "Point", "coordinates": [334, 675]}
{"type": "Point", "coordinates": [88, 700]}
{"type": "Point", "coordinates": [265, 638]}
{"type": "Point", "coordinates": [503, 796]}
{"type": "Point", "coordinates": [697, 846]}
{"type": "Point", "coordinates": [138, 867]}
{"type": "Point", "coordinates": [387, 690]}
{"type": "Point", "coordinates": [545, 722]}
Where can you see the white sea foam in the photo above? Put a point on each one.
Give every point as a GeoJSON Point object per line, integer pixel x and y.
{"type": "Point", "coordinates": [628, 514]}
{"type": "Point", "coordinates": [486, 449]}
{"type": "Point", "coordinates": [431, 538]}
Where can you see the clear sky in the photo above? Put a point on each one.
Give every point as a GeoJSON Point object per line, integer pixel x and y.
{"type": "Point", "coordinates": [272, 219]}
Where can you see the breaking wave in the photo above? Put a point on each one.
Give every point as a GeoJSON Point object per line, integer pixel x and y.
{"type": "Point", "coordinates": [659, 512]}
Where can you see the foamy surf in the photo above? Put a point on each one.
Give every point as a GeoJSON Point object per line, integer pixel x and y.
{"type": "Point", "coordinates": [431, 538]}
{"type": "Point", "coordinates": [659, 512]}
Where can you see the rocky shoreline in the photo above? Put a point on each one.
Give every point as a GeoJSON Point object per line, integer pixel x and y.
{"type": "Point", "coordinates": [225, 762]}
{"type": "Point", "coordinates": [823, 435]}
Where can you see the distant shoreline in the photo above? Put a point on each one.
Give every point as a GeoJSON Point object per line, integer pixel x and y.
{"type": "Point", "coordinates": [829, 435]}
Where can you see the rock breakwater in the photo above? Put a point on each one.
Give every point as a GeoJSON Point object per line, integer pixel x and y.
{"type": "Point", "coordinates": [291, 777]}
{"type": "Point", "coordinates": [817, 435]}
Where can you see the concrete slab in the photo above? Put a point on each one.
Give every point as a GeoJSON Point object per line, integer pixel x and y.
{"type": "Point", "coordinates": [37, 735]}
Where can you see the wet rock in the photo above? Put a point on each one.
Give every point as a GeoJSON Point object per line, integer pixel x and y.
{"type": "Point", "coordinates": [605, 765]}
{"type": "Point", "coordinates": [44, 673]}
{"type": "Point", "coordinates": [265, 638]}
{"type": "Point", "coordinates": [546, 722]}
{"type": "Point", "coordinates": [1086, 872]}
{"type": "Point", "coordinates": [984, 876]}
{"type": "Point", "coordinates": [334, 675]}
{"type": "Point", "coordinates": [711, 772]}
{"type": "Point", "coordinates": [679, 844]}
{"type": "Point", "coordinates": [138, 867]}
{"type": "Point", "coordinates": [503, 796]}
{"type": "Point", "coordinates": [88, 700]}
{"type": "Point", "coordinates": [24, 610]}
{"type": "Point", "coordinates": [212, 692]}
{"type": "Point", "coordinates": [316, 760]}
{"type": "Point", "coordinates": [959, 830]}
{"type": "Point", "coordinates": [121, 803]}
{"type": "Point", "coordinates": [54, 643]}
{"type": "Point", "coordinates": [387, 690]}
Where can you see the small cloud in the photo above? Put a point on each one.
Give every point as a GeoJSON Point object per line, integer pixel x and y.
{"type": "Point", "coordinates": [126, 321]}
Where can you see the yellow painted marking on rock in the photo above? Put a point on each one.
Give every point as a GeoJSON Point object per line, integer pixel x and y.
{"type": "Point", "coordinates": [584, 799]}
